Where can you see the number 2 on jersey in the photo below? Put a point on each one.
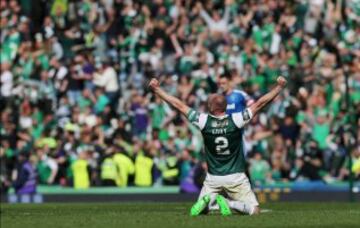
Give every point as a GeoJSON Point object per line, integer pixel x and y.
{"type": "Point", "coordinates": [222, 145]}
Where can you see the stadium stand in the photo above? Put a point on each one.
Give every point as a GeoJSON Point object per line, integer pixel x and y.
{"type": "Point", "coordinates": [74, 95]}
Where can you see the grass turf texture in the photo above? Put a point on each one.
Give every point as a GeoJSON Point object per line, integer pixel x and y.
{"type": "Point", "coordinates": [174, 215]}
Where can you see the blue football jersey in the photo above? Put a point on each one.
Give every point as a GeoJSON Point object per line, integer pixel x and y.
{"type": "Point", "coordinates": [237, 101]}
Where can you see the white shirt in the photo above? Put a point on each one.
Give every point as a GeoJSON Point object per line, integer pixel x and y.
{"type": "Point", "coordinates": [217, 26]}
{"type": "Point", "coordinates": [6, 83]}
{"type": "Point", "coordinates": [107, 79]}
{"type": "Point", "coordinates": [275, 43]}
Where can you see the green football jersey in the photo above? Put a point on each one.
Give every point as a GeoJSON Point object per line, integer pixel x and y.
{"type": "Point", "coordinates": [222, 140]}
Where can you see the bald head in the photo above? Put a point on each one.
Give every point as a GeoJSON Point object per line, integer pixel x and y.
{"type": "Point", "coordinates": [216, 104]}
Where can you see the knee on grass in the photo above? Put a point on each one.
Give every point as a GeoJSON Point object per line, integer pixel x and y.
{"type": "Point", "coordinates": [255, 211]}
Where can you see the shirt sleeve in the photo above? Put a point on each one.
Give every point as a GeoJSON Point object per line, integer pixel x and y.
{"type": "Point", "coordinates": [197, 119]}
{"type": "Point", "coordinates": [248, 99]}
{"type": "Point", "coordinates": [206, 17]}
{"type": "Point", "coordinates": [226, 14]}
{"type": "Point", "coordinates": [52, 164]}
{"type": "Point", "coordinates": [242, 118]}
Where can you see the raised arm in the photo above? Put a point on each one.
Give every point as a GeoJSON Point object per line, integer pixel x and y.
{"type": "Point", "coordinates": [176, 44]}
{"type": "Point", "coordinates": [171, 100]}
{"type": "Point", "coordinates": [204, 14]}
{"type": "Point", "coordinates": [270, 96]}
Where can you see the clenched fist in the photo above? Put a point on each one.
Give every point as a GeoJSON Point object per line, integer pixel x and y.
{"type": "Point", "coordinates": [154, 84]}
{"type": "Point", "coordinates": [281, 81]}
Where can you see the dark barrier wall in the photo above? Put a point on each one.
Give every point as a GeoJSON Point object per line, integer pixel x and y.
{"type": "Point", "coordinates": [263, 196]}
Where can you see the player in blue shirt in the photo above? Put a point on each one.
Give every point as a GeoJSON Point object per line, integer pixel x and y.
{"type": "Point", "coordinates": [237, 100]}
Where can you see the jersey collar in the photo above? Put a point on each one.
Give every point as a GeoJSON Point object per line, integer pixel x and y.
{"type": "Point", "coordinates": [219, 117]}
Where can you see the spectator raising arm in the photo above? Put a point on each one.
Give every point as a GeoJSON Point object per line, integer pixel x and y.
{"type": "Point", "coordinates": [175, 42]}
{"type": "Point", "coordinates": [171, 100]}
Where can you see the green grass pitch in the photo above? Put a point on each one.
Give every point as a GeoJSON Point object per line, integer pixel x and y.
{"type": "Point", "coordinates": [173, 215]}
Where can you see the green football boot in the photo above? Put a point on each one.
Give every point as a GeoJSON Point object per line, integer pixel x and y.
{"type": "Point", "coordinates": [223, 205]}
{"type": "Point", "coordinates": [200, 205]}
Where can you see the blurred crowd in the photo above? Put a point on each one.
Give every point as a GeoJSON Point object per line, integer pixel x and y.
{"type": "Point", "coordinates": [76, 111]}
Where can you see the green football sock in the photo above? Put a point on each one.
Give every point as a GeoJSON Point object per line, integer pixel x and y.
{"type": "Point", "coordinates": [200, 205]}
{"type": "Point", "coordinates": [223, 205]}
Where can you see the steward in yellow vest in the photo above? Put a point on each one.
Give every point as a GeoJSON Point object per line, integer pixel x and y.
{"type": "Point", "coordinates": [356, 166]}
{"type": "Point", "coordinates": [109, 171]}
{"type": "Point", "coordinates": [171, 171]}
{"type": "Point", "coordinates": [143, 170]}
{"type": "Point", "coordinates": [80, 169]}
{"type": "Point", "coordinates": [125, 167]}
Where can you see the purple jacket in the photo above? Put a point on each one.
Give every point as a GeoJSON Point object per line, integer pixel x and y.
{"type": "Point", "coordinates": [26, 180]}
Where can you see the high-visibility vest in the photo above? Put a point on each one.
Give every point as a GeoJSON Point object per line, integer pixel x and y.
{"type": "Point", "coordinates": [81, 174]}
{"type": "Point", "coordinates": [143, 171]}
{"type": "Point", "coordinates": [356, 166]}
{"type": "Point", "coordinates": [168, 174]}
{"type": "Point", "coordinates": [170, 171]}
{"type": "Point", "coordinates": [125, 168]}
{"type": "Point", "coordinates": [109, 169]}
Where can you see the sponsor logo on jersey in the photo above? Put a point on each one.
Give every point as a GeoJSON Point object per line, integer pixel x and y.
{"type": "Point", "coordinates": [214, 123]}
{"type": "Point", "coordinates": [219, 123]}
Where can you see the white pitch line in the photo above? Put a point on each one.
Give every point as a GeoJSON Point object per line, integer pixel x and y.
{"type": "Point", "coordinates": [265, 210]}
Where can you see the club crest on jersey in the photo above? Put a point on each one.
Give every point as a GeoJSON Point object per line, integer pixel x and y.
{"type": "Point", "coordinates": [230, 106]}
